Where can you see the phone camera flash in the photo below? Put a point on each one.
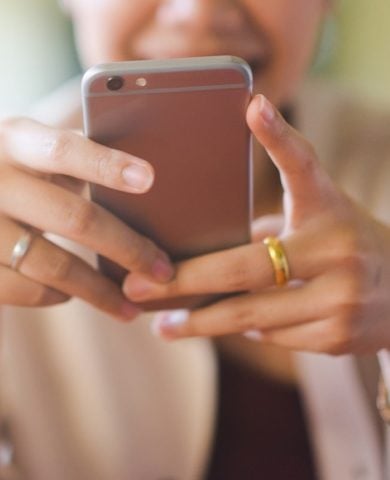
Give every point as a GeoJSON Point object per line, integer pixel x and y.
{"type": "Point", "coordinates": [141, 82]}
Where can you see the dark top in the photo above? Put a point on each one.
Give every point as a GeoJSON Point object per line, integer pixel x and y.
{"type": "Point", "coordinates": [261, 431]}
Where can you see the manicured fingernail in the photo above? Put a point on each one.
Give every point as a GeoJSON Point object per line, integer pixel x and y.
{"type": "Point", "coordinates": [162, 269]}
{"type": "Point", "coordinates": [167, 323]}
{"type": "Point", "coordinates": [254, 335]}
{"type": "Point", "coordinates": [267, 111]}
{"type": "Point", "coordinates": [138, 176]}
{"type": "Point", "coordinates": [129, 311]}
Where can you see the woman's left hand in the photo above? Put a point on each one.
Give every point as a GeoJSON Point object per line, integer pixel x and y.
{"type": "Point", "coordinates": [339, 258]}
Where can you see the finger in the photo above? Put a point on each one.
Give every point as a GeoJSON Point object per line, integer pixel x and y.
{"type": "Point", "coordinates": [321, 336]}
{"type": "Point", "coordinates": [50, 265]}
{"type": "Point", "coordinates": [49, 150]}
{"type": "Point", "coordinates": [20, 291]}
{"type": "Point", "coordinates": [245, 268]}
{"type": "Point", "coordinates": [249, 268]}
{"type": "Point", "coordinates": [234, 270]}
{"type": "Point", "coordinates": [52, 209]}
{"type": "Point", "coordinates": [265, 311]}
{"type": "Point", "coordinates": [268, 225]}
{"type": "Point", "coordinates": [307, 187]}
{"type": "Point", "coordinates": [69, 183]}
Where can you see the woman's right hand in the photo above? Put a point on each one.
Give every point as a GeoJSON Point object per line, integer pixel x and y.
{"type": "Point", "coordinates": [42, 171]}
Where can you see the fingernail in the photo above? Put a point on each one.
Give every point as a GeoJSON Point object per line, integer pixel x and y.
{"type": "Point", "coordinates": [137, 288]}
{"type": "Point", "coordinates": [138, 176]}
{"type": "Point", "coordinates": [162, 269]}
{"type": "Point", "coordinates": [128, 311]}
{"type": "Point", "coordinates": [167, 323]}
{"type": "Point", "coordinates": [254, 335]}
{"type": "Point", "coordinates": [267, 111]}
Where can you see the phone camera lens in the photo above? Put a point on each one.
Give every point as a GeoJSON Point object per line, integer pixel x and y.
{"type": "Point", "coordinates": [115, 83]}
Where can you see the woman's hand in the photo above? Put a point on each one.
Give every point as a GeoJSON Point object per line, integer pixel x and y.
{"type": "Point", "coordinates": [339, 258]}
{"type": "Point", "coordinates": [36, 163]}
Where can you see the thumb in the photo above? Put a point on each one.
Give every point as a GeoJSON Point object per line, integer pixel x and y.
{"type": "Point", "coordinates": [307, 187]}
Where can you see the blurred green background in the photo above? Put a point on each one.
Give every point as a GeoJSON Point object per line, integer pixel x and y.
{"type": "Point", "coordinates": [36, 52]}
{"type": "Point", "coordinates": [361, 54]}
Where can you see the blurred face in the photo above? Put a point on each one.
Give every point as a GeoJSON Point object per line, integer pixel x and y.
{"type": "Point", "coordinates": [276, 37]}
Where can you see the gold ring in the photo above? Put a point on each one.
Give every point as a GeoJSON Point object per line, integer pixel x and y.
{"type": "Point", "coordinates": [20, 249]}
{"type": "Point", "coordinates": [279, 260]}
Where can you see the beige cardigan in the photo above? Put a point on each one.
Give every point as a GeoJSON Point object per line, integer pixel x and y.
{"type": "Point", "coordinates": [89, 398]}
{"type": "Point", "coordinates": [353, 141]}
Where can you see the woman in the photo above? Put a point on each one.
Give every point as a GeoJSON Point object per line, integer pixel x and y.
{"type": "Point", "coordinates": [338, 255]}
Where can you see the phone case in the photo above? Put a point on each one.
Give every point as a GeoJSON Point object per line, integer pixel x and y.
{"type": "Point", "coordinates": [187, 118]}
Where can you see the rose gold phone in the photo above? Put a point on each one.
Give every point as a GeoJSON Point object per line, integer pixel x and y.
{"type": "Point", "coordinates": [187, 118]}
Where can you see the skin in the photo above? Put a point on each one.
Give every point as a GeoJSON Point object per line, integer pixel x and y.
{"type": "Point", "coordinates": [280, 35]}
{"type": "Point", "coordinates": [338, 252]}
{"type": "Point", "coordinates": [41, 177]}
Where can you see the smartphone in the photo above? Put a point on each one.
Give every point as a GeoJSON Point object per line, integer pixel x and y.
{"type": "Point", "coordinates": [187, 117]}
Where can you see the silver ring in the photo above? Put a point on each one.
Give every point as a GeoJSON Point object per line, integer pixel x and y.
{"type": "Point", "coordinates": [20, 249]}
